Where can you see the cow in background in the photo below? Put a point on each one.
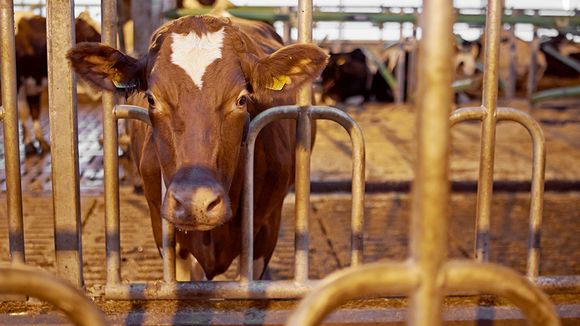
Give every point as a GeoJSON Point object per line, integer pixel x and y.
{"type": "Point", "coordinates": [345, 77]}
{"type": "Point", "coordinates": [202, 79]}
{"type": "Point", "coordinates": [566, 48]}
{"type": "Point", "coordinates": [32, 72]}
{"type": "Point", "coordinates": [380, 90]}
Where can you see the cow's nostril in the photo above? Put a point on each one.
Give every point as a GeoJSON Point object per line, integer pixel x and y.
{"type": "Point", "coordinates": [214, 204]}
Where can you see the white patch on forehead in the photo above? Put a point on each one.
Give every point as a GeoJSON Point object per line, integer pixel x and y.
{"type": "Point", "coordinates": [195, 53]}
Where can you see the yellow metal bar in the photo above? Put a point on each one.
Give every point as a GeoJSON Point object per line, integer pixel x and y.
{"type": "Point", "coordinates": [47, 287]}
{"type": "Point", "coordinates": [431, 188]}
{"type": "Point", "coordinates": [257, 124]}
{"type": "Point", "coordinates": [358, 176]}
{"type": "Point", "coordinates": [504, 282]}
{"type": "Point", "coordinates": [110, 156]}
{"type": "Point", "coordinates": [11, 145]}
{"type": "Point", "coordinates": [303, 151]}
{"type": "Point", "coordinates": [64, 138]}
{"type": "Point", "coordinates": [375, 279]}
{"type": "Point", "coordinates": [487, 156]}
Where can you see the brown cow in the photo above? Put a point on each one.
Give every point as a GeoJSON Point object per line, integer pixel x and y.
{"type": "Point", "coordinates": [203, 76]}
{"type": "Point", "coordinates": [32, 70]}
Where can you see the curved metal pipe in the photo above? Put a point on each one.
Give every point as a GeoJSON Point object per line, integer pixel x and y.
{"type": "Point", "coordinates": [21, 279]}
{"type": "Point", "coordinates": [358, 175]}
{"type": "Point", "coordinates": [256, 125]}
{"type": "Point", "coordinates": [125, 111]}
{"type": "Point", "coordinates": [504, 282]}
{"type": "Point", "coordinates": [11, 141]}
{"type": "Point", "coordinates": [464, 114]}
{"type": "Point", "coordinates": [538, 177]}
{"type": "Point", "coordinates": [375, 279]}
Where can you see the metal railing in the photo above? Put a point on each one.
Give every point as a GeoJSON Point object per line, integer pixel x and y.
{"type": "Point", "coordinates": [247, 287]}
{"type": "Point", "coordinates": [21, 279]}
{"type": "Point", "coordinates": [427, 271]}
{"type": "Point", "coordinates": [427, 276]}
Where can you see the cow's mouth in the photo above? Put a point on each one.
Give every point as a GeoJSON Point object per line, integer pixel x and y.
{"type": "Point", "coordinates": [195, 226]}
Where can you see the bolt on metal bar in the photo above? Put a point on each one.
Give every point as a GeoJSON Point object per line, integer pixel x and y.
{"type": "Point", "coordinates": [11, 142]}
{"type": "Point", "coordinates": [429, 213]}
{"type": "Point", "coordinates": [64, 137]}
{"type": "Point", "coordinates": [110, 155]}
{"type": "Point", "coordinates": [487, 154]}
{"type": "Point", "coordinates": [54, 290]}
{"type": "Point", "coordinates": [358, 176]}
{"type": "Point", "coordinates": [303, 152]}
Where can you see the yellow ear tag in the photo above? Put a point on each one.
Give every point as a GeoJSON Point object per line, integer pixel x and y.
{"type": "Point", "coordinates": [279, 82]}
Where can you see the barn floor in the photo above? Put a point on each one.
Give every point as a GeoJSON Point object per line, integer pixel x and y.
{"type": "Point", "coordinates": [389, 135]}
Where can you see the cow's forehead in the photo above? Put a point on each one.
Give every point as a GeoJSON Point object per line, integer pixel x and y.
{"type": "Point", "coordinates": [194, 52]}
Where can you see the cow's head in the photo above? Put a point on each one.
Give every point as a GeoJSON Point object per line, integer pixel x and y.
{"type": "Point", "coordinates": [203, 78]}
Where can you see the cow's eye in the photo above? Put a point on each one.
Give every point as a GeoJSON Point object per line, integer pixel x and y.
{"type": "Point", "coordinates": [242, 100]}
{"type": "Point", "coordinates": [150, 100]}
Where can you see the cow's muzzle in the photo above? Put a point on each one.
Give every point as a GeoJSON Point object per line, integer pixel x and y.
{"type": "Point", "coordinates": [196, 201]}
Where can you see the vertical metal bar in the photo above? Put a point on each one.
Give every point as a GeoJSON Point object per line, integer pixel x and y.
{"type": "Point", "coordinates": [142, 27]}
{"type": "Point", "coordinates": [533, 70]}
{"type": "Point", "coordinates": [168, 239]}
{"type": "Point", "coordinates": [247, 250]}
{"type": "Point", "coordinates": [431, 187]}
{"type": "Point", "coordinates": [412, 83]}
{"type": "Point", "coordinates": [287, 26]}
{"type": "Point", "coordinates": [11, 145]}
{"type": "Point", "coordinates": [303, 148]}
{"type": "Point", "coordinates": [400, 96]}
{"type": "Point", "coordinates": [486, 159]}
{"type": "Point", "coordinates": [537, 202]}
{"type": "Point", "coordinates": [510, 91]}
{"type": "Point", "coordinates": [64, 137]}
{"type": "Point", "coordinates": [111, 160]}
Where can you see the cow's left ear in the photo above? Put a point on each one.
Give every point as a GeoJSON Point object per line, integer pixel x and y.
{"type": "Point", "coordinates": [286, 70]}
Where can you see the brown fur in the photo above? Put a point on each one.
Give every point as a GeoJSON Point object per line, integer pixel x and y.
{"type": "Point", "coordinates": [196, 134]}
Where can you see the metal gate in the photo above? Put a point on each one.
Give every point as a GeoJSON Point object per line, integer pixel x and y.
{"type": "Point", "coordinates": [426, 276]}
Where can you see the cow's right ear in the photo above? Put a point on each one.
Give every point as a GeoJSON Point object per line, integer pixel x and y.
{"type": "Point", "coordinates": [107, 68]}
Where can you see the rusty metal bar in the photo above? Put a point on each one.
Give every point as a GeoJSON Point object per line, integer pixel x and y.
{"type": "Point", "coordinates": [538, 172]}
{"type": "Point", "coordinates": [11, 142]}
{"type": "Point", "coordinates": [358, 176]}
{"type": "Point", "coordinates": [501, 281]}
{"type": "Point", "coordinates": [487, 155]}
{"type": "Point", "coordinates": [303, 151]}
{"type": "Point", "coordinates": [168, 248]}
{"type": "Point", "coordinates": [125, 111]}
{"type": "Point", "coordinates": [431, 188]}
{"type": "Point", "coordinates": [257, 124]}
{"type": "Point", "coordinates": [110, 156]}
{"type": "Point", "coordinates": [47, 287]}
{"type": "Point", "coordinates": [538, 177]}
{"type": "Point", "coordinates": [375, 279]}
{"type": "Point", "coordinates": [510, 89]}
{"type": "Point", "coordinates": [289, 289]}
{"type": "Point", "coordinates": [533, 69]}
{"type": "Point", "coordinates": [400, 73]}
{"type": "Point", "coordinates": [64, 137]}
